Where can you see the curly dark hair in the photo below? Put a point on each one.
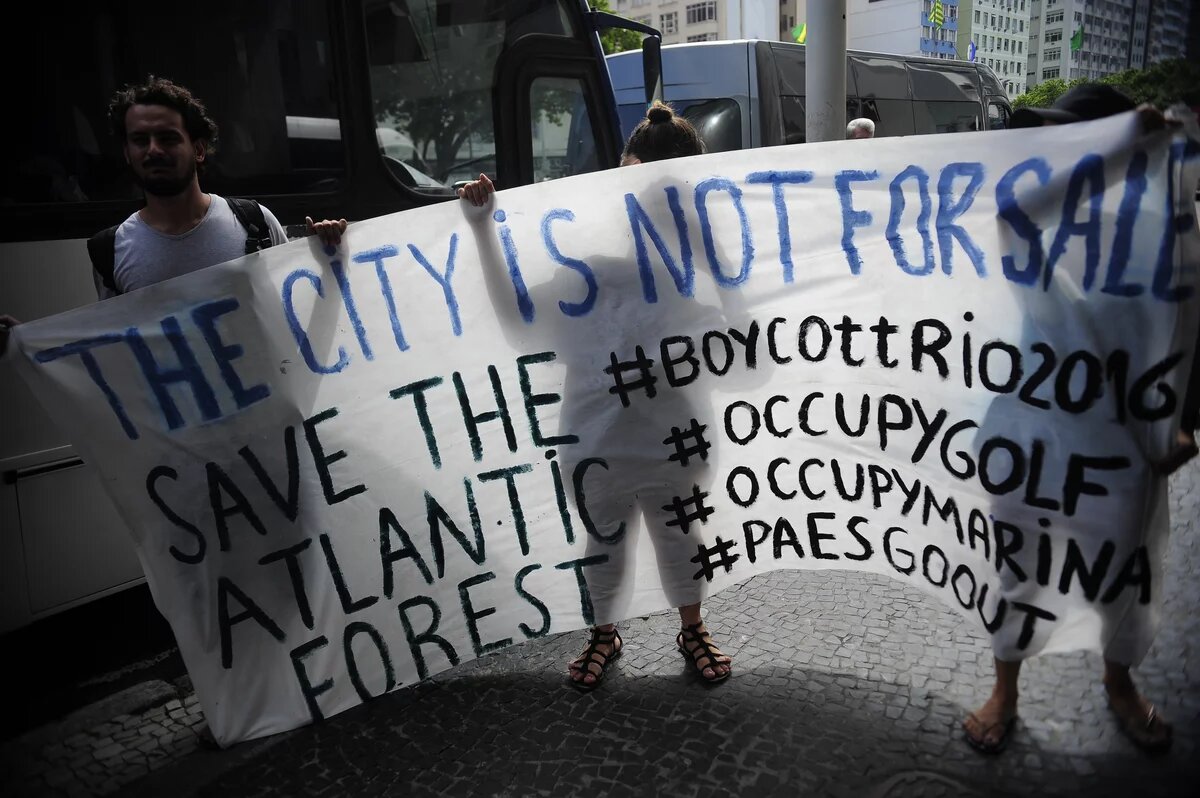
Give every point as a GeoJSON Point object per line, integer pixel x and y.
{"type": "Point", "coordinates": [663, 135]}
{"type": "Point", "coordinates": [160, 91]}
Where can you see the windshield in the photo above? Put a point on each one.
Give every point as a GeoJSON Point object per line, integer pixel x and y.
{"type": "Point", "coordinates": [432, 68]}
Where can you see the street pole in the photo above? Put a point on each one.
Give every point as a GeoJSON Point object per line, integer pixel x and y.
{"type": "Point", "coordinates": [825, 71]}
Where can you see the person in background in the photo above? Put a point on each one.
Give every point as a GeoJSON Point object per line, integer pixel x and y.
{"type": "Point", "coordinates": [989, 728]}
{"type": "Point", "coordinates": [861, 128]}
{"type": "Point", "coordinates": [661, 135]}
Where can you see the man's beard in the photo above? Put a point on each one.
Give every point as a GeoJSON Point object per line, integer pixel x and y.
{"type": "Point", "coordinates": [165, 185]}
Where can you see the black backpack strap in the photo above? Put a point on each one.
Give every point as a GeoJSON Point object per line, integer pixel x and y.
{"type": "Point", "coordinates": [102, 249]}
{"type": "Point", "coordinates": [250, 214]}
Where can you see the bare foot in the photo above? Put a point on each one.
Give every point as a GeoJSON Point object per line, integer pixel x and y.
{"type": "Point", "coordinates": [988, 727]}
{"type": "Point", "coordinates": [1184, 449]}
{"type": "Point", "coordinates": [603, 647]}
{"type": "Point", "coordinates": [1138, 718]}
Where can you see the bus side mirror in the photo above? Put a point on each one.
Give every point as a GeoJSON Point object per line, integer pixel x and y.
{"type": "Point", "coordinates": [652, 68]}
{"type": "Point", "coordinates": [651, 49]}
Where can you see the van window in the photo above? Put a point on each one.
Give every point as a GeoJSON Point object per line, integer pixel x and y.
{"type": "Point", "coordinates": [718, 121]}
{"type": "Point", "coordinates": [794, 130]}
{"type": "Point", "coordinates": [891, 117]}
{"type": "Point", "coordinates": [945, 117]}
{"type": "Point", "coordinates": [997, 116]}
{"type": "Point", "coordinates": [789, 64]}
{"type": "Point", "coordinates": [275, 63]}
{"type": "Point", "coordinates": [943, 82]}
{"type": "Point", "coordinates": [880, 77]}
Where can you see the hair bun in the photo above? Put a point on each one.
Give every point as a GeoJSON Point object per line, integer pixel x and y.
{"type": "Point", "coordinates": [659, 113]}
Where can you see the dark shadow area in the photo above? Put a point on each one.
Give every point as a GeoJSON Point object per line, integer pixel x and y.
{"type": "Point", "coordinates": [62, 663]}
{"type": "Point", "coordinates": [771, 730]}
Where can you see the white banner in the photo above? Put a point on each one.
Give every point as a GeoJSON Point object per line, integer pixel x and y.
{"type": "Point", "coordinates": [949, 359]}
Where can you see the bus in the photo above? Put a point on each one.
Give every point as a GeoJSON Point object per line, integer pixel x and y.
{"type": "Point", "coordinates": [749, 93]}
{"type": "Point", "coordinates": [326, 108]}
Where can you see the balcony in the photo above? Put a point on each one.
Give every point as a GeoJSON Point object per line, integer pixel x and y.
{"type": "Point", "coordinates": [948, 24]}
{"type": "Point", "coordinates": [934, 46]}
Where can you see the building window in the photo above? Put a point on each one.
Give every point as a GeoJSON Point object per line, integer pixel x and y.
{"type": "Point", "coordinates": [977, 16]}
{"type": "Point", "coordinates": [1053, 54]}
{"type": "Point", "coordinates": [669, 22]}
{"type": "Point", "coordinates": [644, 19]}
{"type": "Point", "coordinates": [1053, 36]}
{"type": "Point", "coordinates": [1049, 73]}
{"type": "Point", "coordinates": [701, 12]}
{"type": "Point", "coordinates": [703, 37]}
{"type": "Point", "coordinates": [1054, 16]}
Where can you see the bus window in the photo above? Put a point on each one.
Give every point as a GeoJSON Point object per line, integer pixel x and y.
{"type": "Point", "coordinates": [563, 142]}
{"type": "Point", "coordinates": [261, 63]}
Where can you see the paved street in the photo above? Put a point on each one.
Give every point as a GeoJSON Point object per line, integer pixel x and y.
{"type": "Point", "coordinates": [845, 684]}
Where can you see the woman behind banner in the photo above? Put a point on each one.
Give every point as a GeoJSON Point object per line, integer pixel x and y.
{"type": "Point", "coordinates": [661, 135]}
{"type": "Point", "coordinates": [989, 728]}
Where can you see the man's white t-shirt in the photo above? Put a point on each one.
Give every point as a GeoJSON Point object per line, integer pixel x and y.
{"type": "Point", "coordinates": [143, 256]}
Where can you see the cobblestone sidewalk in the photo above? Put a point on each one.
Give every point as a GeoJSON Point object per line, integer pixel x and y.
{"type": "Point", "coordinates": [844, 684]}
{"type": "Point", "coordinates": [95, 752]}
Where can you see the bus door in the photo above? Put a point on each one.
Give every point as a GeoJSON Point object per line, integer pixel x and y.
{"type": "Point", "coordinates": [554, 111]}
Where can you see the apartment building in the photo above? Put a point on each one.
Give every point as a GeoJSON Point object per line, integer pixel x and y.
{"type": "Point", "coordinates": [999, 31]}
{"type": "Point", "coordinates": [1169, 21]}
{"type": "Point", "coordinates": [1072, 39]}
{"type": "Point", "coordinates": [709, 20]}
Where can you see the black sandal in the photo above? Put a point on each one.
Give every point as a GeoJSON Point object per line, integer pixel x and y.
{"type": "Point", "coordinates": [592, 655]}
{"type": "Point", "coordinates": [703, 654]}
{"type": "Point", "coordinates": [981, 743]}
